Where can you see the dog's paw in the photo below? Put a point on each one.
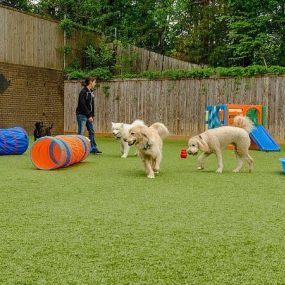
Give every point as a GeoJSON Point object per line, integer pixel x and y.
{"type": "Point", "coordinates": [151, 176]}
{"type": "Point", "coordinates": [156, 171]}
{"type": "Point", "coordinates": [200, 168]}
{"type": "Point", "coordinates": [219, 170]}
{"type": "Point", "coordinates": [124, 156]}
{"type": "Point", "coordinates": [236, 170]}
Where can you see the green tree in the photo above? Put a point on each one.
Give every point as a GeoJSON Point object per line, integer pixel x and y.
{"type": "Point", "coordinates": [143, 23]}
{"type": "Point", "coordinates": [201, 31]}
{"type": "Point", "coordinates": [24, 5]}
{"type": "Point", "coordinates": [256, 32]}
{"type": "Point", "coordinates": [214, 32]}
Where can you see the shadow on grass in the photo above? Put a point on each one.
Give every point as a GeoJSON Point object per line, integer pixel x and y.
{"type": "Point", "coordinates": [142, 175]}
{"type": "Point", "coordinates": [73, 166]}
{"type": "Point", "coordinates": [213, 171]}
{"type": "Point", "coordinates": [116, 156]}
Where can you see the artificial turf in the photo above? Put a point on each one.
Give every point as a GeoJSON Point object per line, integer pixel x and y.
{"type": "Point", "coordinates": [103, 222]}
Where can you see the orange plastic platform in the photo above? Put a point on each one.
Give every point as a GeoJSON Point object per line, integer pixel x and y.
{"type": "Point", "coordinates": [236, 110]}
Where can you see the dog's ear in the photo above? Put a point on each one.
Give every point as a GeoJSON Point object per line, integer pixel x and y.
{"type": "Point", "coordinates": [144, 134]}
{"type": "Point", "coordinates": [202, 144]}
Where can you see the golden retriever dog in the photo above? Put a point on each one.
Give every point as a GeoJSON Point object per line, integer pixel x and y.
{"type": "Point", "coordinates": [215, 140]}
{"type": "Point", "coordinates": [148, 141]}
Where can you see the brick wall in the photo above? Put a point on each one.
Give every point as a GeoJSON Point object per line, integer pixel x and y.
{"type": "Point", "coordinates": [34, 94]}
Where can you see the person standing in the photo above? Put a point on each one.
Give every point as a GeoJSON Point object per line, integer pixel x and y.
{"type": "Point", "coordinates": [85, 112]}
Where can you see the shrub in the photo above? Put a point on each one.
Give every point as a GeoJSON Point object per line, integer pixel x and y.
{"type": "Point", "coordinates": [105, 73]}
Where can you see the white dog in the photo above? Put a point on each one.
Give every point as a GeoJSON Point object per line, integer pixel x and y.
{"type": "Point", "coordinates": [148, 141]}
{"type": "Point", "coordinates": [214, 140]}
{"type": "Point", "coordinates": [120, 130]}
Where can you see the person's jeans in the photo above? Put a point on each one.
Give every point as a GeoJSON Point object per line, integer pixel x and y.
{"type": "Point", "coordinates": [82, 121]}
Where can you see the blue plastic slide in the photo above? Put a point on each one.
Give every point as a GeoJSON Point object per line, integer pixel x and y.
{"type": "Point", "coordinates": [263, 139]}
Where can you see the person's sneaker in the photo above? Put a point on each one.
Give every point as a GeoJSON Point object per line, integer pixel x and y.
{"type": "Point", "coordinates": [97, 152]}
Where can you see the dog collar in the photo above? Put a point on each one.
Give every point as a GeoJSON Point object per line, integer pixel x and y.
{"type": "Point", "coordinates": [147, 146]}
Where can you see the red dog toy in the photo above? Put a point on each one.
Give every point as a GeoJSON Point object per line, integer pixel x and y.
{"type": "Point", "coordinates": [183, 153]}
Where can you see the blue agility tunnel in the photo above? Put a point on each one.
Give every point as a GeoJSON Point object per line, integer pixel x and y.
{"type": "Point", "coordinates": [13, 141]}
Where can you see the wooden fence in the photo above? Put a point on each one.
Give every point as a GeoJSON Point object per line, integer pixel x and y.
{"type": "Point", "coordinates": [179, 104]}
{"type": "Point", "coordinates": [28, 39]}
{"type": "Point", "coordinates": [141, 60]}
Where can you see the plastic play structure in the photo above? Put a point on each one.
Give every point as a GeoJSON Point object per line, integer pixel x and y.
{"type": "Point", "coordinates": [13, 141]}
{"type": "Point", "coordinates": [61, 151]}
{"type": "Point", "coordinates": [283, 164]}
{"type": "Point", "coordinates": [223, 115]}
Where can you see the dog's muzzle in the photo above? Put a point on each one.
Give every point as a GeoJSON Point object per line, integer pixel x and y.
{"type": "Point", "coordinates": [131, 142]}
{"type": "Point", "coordinates": [192, 153]}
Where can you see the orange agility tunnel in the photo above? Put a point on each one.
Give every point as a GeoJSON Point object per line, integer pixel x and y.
{"type": "Point", "coordinates": [61, 151]}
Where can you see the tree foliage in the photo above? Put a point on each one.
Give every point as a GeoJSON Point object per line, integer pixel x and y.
{"type": "Point", "coordinates": [213, 32]}
{"type": "Point", "coordinates": [24, 5]}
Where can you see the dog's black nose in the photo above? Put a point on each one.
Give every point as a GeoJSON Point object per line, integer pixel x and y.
{"type": "Point", "coordinates": [125, 140]}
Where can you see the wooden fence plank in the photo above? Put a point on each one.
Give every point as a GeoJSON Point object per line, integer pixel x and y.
{"type": "Point", "coordinates": [180, 104]}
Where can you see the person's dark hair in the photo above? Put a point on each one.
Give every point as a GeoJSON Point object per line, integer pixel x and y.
{"type": "Point", "coordinates": [87, 81]}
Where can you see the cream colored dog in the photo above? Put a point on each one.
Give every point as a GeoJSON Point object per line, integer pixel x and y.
{"type": "Point", "coordinates": [120, 130]}
{"type": "Point", "coordinates": [148, 141]}
{"type": "Point", "coordinates": [214, 140]}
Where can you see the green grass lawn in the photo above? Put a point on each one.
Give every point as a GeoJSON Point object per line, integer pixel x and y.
{"type": "Point", "coordinates": [103, 222]}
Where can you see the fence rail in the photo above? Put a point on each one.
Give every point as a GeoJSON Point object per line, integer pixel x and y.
{"type": "Point", "coordinates": [179, 104]}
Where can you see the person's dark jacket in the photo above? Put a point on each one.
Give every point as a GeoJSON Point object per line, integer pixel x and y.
{"type": "Point", "coordinates": [85, 103]}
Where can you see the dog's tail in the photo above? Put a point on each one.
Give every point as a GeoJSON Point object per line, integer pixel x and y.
{"type": "Point", "coordinates": [161, 129]}
{"type": "Point", "coordinates": [243, 122]}
{"type": "Point", "coordinates": [138, 122]}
